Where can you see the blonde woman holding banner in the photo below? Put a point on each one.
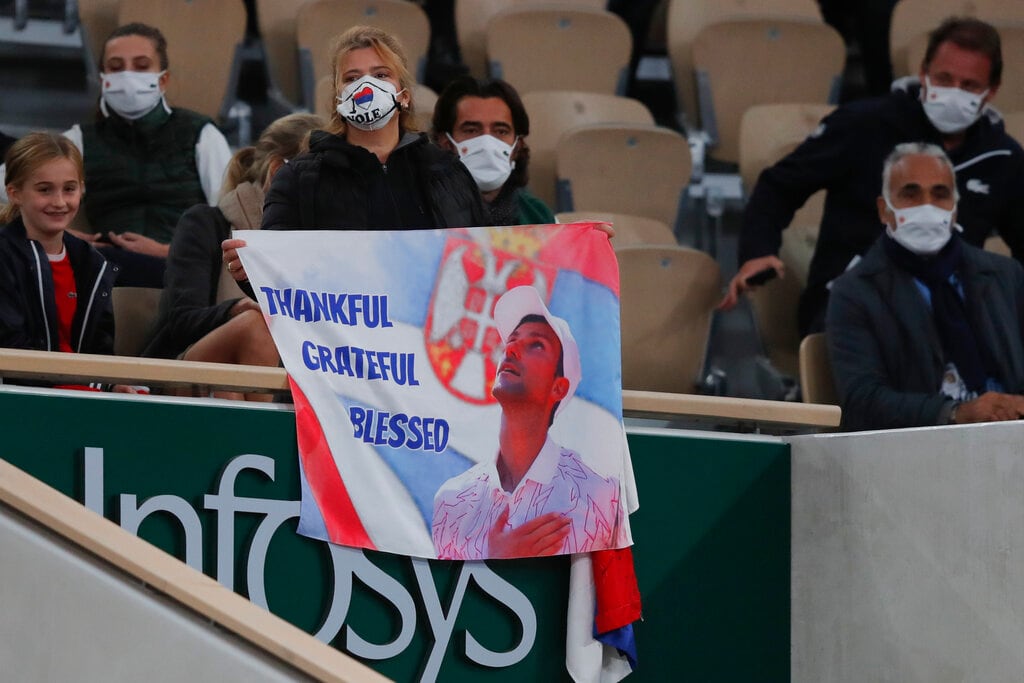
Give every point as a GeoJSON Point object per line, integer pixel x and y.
{"type": "Point", "coordinates": [369, 170]}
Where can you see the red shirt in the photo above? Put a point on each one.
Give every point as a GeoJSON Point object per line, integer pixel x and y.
{"type": "Point", "coordinates": [66, 297]}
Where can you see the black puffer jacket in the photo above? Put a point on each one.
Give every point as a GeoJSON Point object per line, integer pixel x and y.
{"type": "Point", "coordinates": [28, 312]}
{"type": "Point", "coordinates": [339, 186]}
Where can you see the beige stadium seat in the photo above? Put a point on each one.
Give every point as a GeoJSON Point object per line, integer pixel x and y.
{"type": "Point", "coordinates": [687, 17]}
{"type": "Point", "coordinates": [553, 112]}
{"type": "Point", "coordinates": [135, 310]}
{"type": "Point", "coordinates": [913, 18]}
{"type": "Point", "coordinates": [1011, 94]}
{"type": "Point", "coordinates": [630, 231]}
{"type": "Point", "coordinates": [471, 17]}
{"type": "Point", "coordinates": [202, 38]}
{"type": "Point", "coordinates": [97, 19]}
{"type": "Point", "coordinates": [668, 295]}
{"type": "Point", "coordinates": [423, 99]}
{"type": "Point", "coordinates": [744, 62]}
{"type": "Point", "coordinates": [320, 22]}
{"type": "Point", "coordinates": [276, 21]}
{"type": "Point", "coordinates": [639, 170]}
{"type": "Point", "coordinates": [769, 132]}
{"type": "Point", "coordinates": [817, 384]}
{"type": "Point", "coordinates": [547, 48]}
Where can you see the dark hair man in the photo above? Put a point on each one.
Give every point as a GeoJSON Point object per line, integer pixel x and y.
{"type": "Point", "coordinates": [926, 329]}
{"type": "Point", "coordinates": [946, 105]}
{"type": "Point", "coordinates": [486, 124]}
{"type": "Point", "coordinates": [535, 497]}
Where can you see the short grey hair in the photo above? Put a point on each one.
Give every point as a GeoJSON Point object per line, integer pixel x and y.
{"type": "Point", "coordinates": [906, 149]}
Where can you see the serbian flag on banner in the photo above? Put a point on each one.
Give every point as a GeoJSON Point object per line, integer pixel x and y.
{"type": "Point", "coordinates": [426, 368]}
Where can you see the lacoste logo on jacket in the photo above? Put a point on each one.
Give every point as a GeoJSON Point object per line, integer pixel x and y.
{"type": "Point", "coordinates": [976, 186]}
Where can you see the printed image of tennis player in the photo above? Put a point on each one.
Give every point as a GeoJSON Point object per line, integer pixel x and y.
{"type": "Point", "coordinates": [536, 497]}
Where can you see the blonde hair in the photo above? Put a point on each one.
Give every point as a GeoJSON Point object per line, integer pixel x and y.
{"type": "Point", "coordinates": [391, 53]}
{"type": "Point", "coordinates": [283, 139]}
{"type": "Point", "coordinates": [28, 154]}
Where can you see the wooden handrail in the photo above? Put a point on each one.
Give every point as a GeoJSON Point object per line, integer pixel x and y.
{"type": "Point", "coordinates": [81, 367]}
{"type": "Point", "coordinates": [183, 584]}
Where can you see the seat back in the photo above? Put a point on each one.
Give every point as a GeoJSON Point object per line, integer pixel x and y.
{"type": "Point", "coordinates": [202, 37]}
{"type": "Point", "coordinates": [97, 19]}
{"type": "Point", "coordinates": [630, 231]}
{"type": "Point", "coordinates": [276, 22]}
{"type": "Point", "coordinates": [471, 17]}
{"type": "Point", "coordinates": [668, 295]}
{"type": "Point", "coordinates": [135, 311]}
{"type": "Point", "coordinates": [912, 19]}
{"type": "Point", "coordinates": [631, 169]}
{"type": "Point", "coordinates": [783, 61]}
{"type": "Point", "coordinates": [423, 99]}
{"type": "Point", "coordinates": [816, 381]}
{"type": "Point", "coordinates": [687, 17]}
{"type": "Point", "coordinates": [320, 22]}
{"type": "Point", "coordinates": [553, 112]}
{"type": "Point", "coordinates": [769, 132]}
{"type": "Point", "coordinates": [547, 48]}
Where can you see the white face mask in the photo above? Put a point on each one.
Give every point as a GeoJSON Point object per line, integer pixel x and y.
{"type": "Point", "coordinates": [951, 110]}
{"type": "Point", "coordinates": [368, 103]}
{"type": "Point", "coordinates": [132, 94]}
{"type": "Point", "coordinates": [488, 159]}
{"type": "Point", "coordinates": [923, 230]}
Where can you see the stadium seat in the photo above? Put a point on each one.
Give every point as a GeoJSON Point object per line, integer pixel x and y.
{"type": "Point", "coordinates": [135, 310]}
{"type": "Point", "coordinates": [743, 62]}
{"type": "Point", "coordinates": [97, 19]}
{"type": "Point", "coordinates": [320, 22]}
{"type": "Point", "coordinates": [471, 17]}
{"type": "Point", "coordinates": [912, 19]}
{"type": "Point", "coordinates": [630, 231]}
{"type": "Point", "coordinates": [687, 17]}
{"type": "Point", "coordinates": [668, 295]}
{"type": "Point", "coordinates": [817, 383]}
{"type": "Point", "coordinates": [553, 112]}
{"type": "Point", "coordinates": [768, 132]}
{"type": "Point", "coordinates": [631, 169]}
{"type": "Point", "coordinates": [202, 39]}
{"type": "Point", "coordinates": [557, 48]}
{"type": "Point", "coordinates": [276, 22]}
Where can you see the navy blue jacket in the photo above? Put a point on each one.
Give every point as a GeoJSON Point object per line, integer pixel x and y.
{"type": "Point", "coordinates": [845, 156]}
{"type": "Point", "coordinates": [28, 311]}
{"type": "Point", "coordinates": [884, 348]}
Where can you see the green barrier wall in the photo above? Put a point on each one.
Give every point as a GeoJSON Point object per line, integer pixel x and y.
{"type": "Point", "coordinates": [712, 543]}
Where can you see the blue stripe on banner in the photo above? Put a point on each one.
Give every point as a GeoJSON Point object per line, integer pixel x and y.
{"type": "Point", "coordinates": [623, 640]}
{"type": "Point", "coordinates": [416, 254]}
{"type": "Point", "coordinates": [420, 473]}
{"type": "Point", "coordinates": [592, 311]}
{"type": "Point", "coordinates": [311, 522]}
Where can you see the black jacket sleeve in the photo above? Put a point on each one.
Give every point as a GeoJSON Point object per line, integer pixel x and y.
{"type": "Point", "coordinates": [783, 188]}
{"type": "Point", "coordinates": [281, 206]}
{"type": "Point", "coordinates": [188, 307]}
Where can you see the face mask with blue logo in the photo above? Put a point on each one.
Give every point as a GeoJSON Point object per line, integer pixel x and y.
{"type": "Point", "coordinates": [368, 103]}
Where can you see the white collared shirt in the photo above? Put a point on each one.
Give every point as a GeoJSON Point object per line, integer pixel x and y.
{"type": "Point", "coordinates": [466, 506]}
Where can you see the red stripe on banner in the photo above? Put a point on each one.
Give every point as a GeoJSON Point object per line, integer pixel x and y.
{"type": "Point", "coordinates": [585, 249]}
{"type": "Point", "coordinates": [339, 514]}
{"type": "Point", "coordinates": [618, 595]}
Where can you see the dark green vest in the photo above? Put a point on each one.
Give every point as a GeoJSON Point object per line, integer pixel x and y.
{"type": "Point", "coordinates": [141, 175]}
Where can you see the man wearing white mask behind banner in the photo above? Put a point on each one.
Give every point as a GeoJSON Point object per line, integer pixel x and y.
{"type": "Point", "coordinates": [486, 124]}
{"type": "Point", "coordinates": [926, 329]}
{"type": "Point", "coordinates": [947, 105]}
{"type": "Point", "coordinates": [145, 162]}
